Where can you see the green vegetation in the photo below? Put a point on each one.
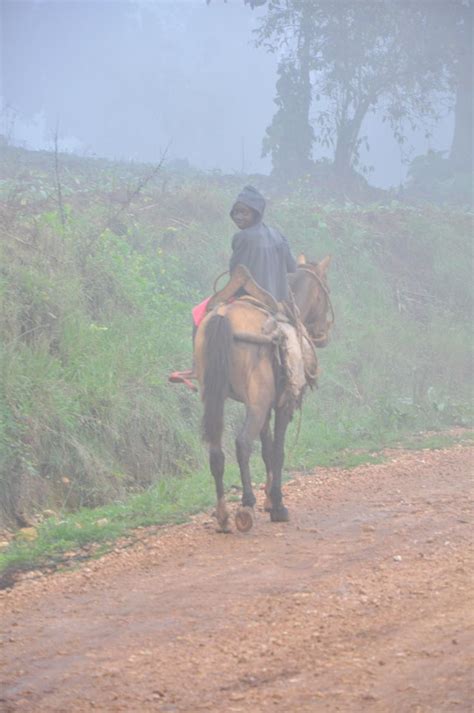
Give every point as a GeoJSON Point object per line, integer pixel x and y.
{"type": "Point", "coordinates": [96, 290]}
{"type": "Point", "coordinates": [168, 501]}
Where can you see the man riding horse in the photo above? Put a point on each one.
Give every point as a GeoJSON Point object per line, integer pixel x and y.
{"type": "Point", "coordinates": [255, 343]}
{"type": "Point", "coordinates": [264, 251]}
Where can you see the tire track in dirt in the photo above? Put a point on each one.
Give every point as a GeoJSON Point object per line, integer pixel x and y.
{"type": "Point", "coordinates": [362, 602]}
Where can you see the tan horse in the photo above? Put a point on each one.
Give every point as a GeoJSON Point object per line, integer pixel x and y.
{"type": "Point", "coordinates": [246, 371]}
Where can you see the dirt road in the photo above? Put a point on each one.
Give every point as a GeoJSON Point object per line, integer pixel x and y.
{"type": "Point", "coordinates": [363, 602]}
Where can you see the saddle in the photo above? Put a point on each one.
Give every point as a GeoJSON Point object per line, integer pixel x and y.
{"type": "Point", "coordinates": [283, 329]}
{"type": "Point", "coordinates": [241, 279]}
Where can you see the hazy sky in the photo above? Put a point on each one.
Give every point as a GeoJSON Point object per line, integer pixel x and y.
{"type": "Point", "coordinates": [125, 79]}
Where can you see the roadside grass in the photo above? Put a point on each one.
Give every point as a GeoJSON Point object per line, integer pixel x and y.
{"type": "Point", "coordinates": [174, 500]}
{"type": "Point", "coordinates": [433, 441]}
{"type": "Point", "coordinates": [170, 501]}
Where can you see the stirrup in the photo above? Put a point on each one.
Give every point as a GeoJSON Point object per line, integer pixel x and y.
{"type": "Point", "coordinates": [183, 377]}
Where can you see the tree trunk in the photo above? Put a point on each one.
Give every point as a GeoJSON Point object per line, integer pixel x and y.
{"type": "Point", "coordinates": [461, 147]}
{"type": "Point", "coordinates": [347, 141]}
{"type": "Point", "coordinates": [290, 136]}
{"type": "Point", "coordinates": [304, 51]}
{"type": "Point", "coordinates": [343, 153]}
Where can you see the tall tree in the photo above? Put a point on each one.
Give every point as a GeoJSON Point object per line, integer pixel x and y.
{"type": "Point", "coordinates": [292, 158]}
{"type": "Point", "coordinates": [459, 22]}
{"type": "Point", "coordinates": [362, 56]}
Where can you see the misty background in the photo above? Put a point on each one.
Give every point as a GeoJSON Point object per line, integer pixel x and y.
{"type": "Point", "coordinates": [125, 80]}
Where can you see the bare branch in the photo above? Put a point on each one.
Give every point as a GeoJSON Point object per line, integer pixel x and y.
{"type": "Point", "coordinates": [59, 192]}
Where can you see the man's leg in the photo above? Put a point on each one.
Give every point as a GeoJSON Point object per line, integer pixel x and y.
{"type": "Point", "coordinates": [183, 377]}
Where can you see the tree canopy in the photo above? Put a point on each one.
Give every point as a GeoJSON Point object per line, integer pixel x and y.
{"type": "Point", "coordinates": [341, 60]}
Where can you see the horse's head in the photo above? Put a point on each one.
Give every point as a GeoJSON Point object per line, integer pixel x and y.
{"type": "Point", "coordinates": [311, 291]}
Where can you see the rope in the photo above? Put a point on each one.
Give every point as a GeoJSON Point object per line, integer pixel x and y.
{"type": "Point", "coordinates": [324, 288]}
{"type": "Point", "coordinates": [256, 338]}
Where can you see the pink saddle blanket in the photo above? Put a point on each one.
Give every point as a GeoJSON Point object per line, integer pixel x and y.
{"type": "Point", "coordinates": [199, 311]}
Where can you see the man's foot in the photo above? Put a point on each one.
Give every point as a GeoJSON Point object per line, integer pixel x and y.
{"type": "Point", "coordinates": [183, 377]}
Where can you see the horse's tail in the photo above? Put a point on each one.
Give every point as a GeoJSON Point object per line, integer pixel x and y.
{"type": "Point", "coordinates": [217, 362]}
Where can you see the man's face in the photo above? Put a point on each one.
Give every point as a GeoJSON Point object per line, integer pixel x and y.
{"type": "Point", "coordinates": [243, 216]}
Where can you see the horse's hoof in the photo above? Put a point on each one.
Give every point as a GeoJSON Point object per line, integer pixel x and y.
{"type": "Point", "coordinates": [222, 515]}
{"type": "Point", "coordinates": [244, 519]}
{"type": "Point", "coordinates": [280, 515]}
{"type": "Point", "coordinates": [223, 524]}
{"type": "Point", "coordinates": [225, 530]}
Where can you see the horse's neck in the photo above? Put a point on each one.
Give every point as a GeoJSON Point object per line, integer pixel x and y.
{"type": "Point", "coordinates": [302, 293]}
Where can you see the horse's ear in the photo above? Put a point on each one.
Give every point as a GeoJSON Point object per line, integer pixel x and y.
{"type": "Point", "coordinates": [301, 260]}
{"type": "Point", "coordinates": [324, 264]}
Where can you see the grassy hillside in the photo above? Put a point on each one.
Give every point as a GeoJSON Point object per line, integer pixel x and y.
{"type": "Point", "coordinates": [100, 265]}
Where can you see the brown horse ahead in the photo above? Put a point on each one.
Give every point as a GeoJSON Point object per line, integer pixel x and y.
{"type": "Point", "coordinates": [228, 366]}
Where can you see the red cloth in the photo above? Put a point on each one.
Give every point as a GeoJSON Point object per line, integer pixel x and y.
{"type": "Point", "coordinates": [199, 311]}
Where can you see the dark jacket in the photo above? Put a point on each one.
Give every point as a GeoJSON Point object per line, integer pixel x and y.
{"type": "Point", "coordinates": [263, 250]}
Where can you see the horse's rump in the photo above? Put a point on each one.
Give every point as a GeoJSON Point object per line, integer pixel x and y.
{"type": "Point", "coordinates": [263, 352]}
{"type": "Point", "coordinates": [243, 320]}
{"type": "Point", "coordinates": [228, 367]}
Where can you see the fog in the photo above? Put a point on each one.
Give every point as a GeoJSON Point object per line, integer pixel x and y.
{"type": "Point", "coordinates": [128, 79]}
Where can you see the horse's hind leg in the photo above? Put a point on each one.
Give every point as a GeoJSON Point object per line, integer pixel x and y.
{"type": "Point", "coordinates": [253, 423]}
{"type": "Point", "coordinates": [267, 455]}
{"type": "Point", "coordinates": [217, 462]}
{"type": "Point", "coordinates": [279, 512]}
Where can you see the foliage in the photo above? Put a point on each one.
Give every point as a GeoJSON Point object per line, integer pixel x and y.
{"type": "Point", "coordinates": [290, 159]}
{"type": "Point", "coordinates": [434, 177]}
{"type": "Point", "coordinates": [451, 29]}
{"type": "Point", "coordinates": [170, 500]}
{"type": "Point", "coordinates": [353, 58]}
